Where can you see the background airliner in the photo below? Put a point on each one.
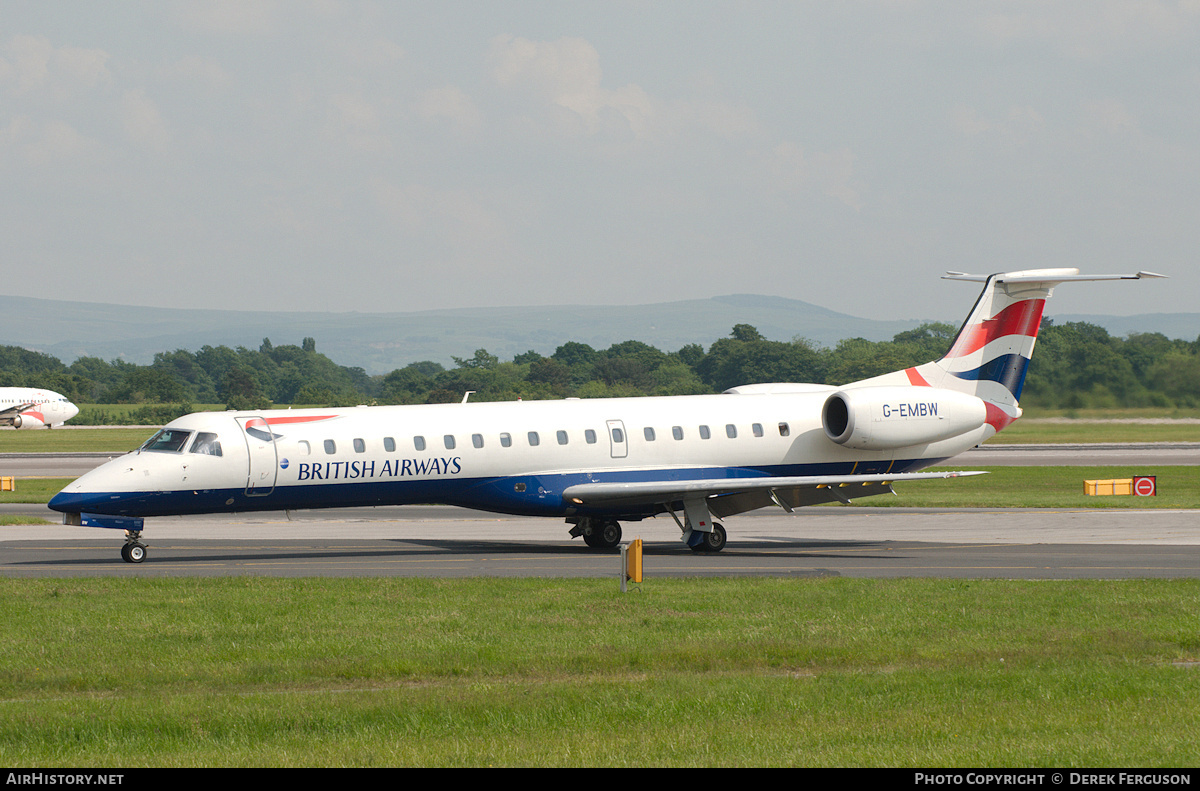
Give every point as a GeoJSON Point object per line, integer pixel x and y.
{"type": "Point", "coordinates": [596, 462]}
{"type": "Point", "coordinates": [31, 407]}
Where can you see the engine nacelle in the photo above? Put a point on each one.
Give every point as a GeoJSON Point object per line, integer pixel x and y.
{"type": "Point", "coordinates": [27, 421]}
{"type": "Point", "coordinates": [882, 418]}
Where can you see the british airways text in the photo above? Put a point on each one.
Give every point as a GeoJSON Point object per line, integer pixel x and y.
{"type": "Point", "coordinates": [391, 468]}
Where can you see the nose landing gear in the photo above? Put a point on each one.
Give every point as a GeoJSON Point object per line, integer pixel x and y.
{"type": "Point", "coordinates": [134, 551]}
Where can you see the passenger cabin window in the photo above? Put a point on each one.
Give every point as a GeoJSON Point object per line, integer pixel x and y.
{"type": "Point", "coordinates": [448, 440]}
{"type": "Point", "coordinates": [389, 444]}
{"type": "Point", "coordinates": [330, 447]}
{"type": "Point", "coordinates": [648, 433]}
{"type": "Point", "coordinates": [360, 446]}
{"type": "Point", "coordinates": [677, 432]}
{"type": "Point", "coordinates": [731, 431]}
{"type": "Point", "coordinates": [477, 440]}
{"type": "Point", "coordinates": [589, 436]}
{"type": "Point", "coordinates": [704, 432]}
{"type": "Point", "coordinates": [562, 437]}
{"type": "Point", "coordinates": [419, 442]}
{"type": "Point", "coordinates": [168, 440]}
{"type": "Point", "coordinates": [303, 447]}
{"type": "Point", "coordinates": [758, 429]}
{"type": "Point", "coordinates": [506, 440]}
{"type": "Point", "coordinates": [207, 444]}
{"type": "Point", "coordinates": [533, 438]}
{"type": "Point", "coordinates": [784, 430]}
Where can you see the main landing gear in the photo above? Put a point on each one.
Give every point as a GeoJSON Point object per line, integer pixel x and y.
{"type": "Point", "coordinates": [713, 541]}
{"type": "Point", "coordinates": [606, 534]}
{"type": "Point", "coordinates": [598, 533]}
{"type": "Point", "coordinates": [134, 550]}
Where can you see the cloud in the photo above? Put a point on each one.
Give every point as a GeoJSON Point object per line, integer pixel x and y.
{"type": "Point", "coordinates": [32, 64]}
{"type": "Point", "coordinates": [356, 121]}
{"type": "Point", "coordinates": [1019, 124]}
{"type": "Point", "coordinates": [567, 73]}
{"type": "Point", "coordinates": [143, 122]}
{"type": "Point", "coordinates": [200, 71]}
{"type": "Point", "coordinates": [1094, 29]}
{"type": "Point", "coordinates": [44, 144]}
{"type": "Point", "coordinates": [830, 172]}
{"type": "Point", "coordinates": [229, 17]}
{"type": "Point", "coordinates": [449, 104]}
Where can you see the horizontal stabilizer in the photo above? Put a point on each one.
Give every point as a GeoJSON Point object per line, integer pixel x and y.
{"type": "Point", "coordinates": [1044, 276]}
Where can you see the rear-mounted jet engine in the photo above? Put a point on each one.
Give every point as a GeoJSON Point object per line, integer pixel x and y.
{"type": "Point", "coordinates": [883, 418]}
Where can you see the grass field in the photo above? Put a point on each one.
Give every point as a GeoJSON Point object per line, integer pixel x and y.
{"type": "Point", "coordinates": [713, 672]}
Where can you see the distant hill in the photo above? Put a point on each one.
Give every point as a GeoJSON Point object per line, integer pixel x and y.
{"type": "Point", "coordinates": [381, 342]}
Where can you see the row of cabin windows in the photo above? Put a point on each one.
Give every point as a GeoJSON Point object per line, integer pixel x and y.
{"type": "Point", "coordinates": [534, 439]}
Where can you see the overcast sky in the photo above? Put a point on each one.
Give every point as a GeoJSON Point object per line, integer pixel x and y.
{"type": "Point", "coordinates": [398, 156]}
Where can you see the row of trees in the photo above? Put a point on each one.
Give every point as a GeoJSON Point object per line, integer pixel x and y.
{"type": "Point", "coordinates": [1076, 365]}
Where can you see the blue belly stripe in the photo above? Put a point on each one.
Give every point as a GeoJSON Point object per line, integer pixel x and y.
{"type": "Point", "coordinates": [541, 495]}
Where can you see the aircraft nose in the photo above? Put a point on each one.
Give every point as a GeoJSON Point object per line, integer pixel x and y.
{"type": "Point", "coordinates": [63, 502]}
{"type": "Point", "coordinates": [72, 411]}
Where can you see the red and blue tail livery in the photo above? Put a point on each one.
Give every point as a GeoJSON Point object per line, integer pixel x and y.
{"type": "Point", "coordinates": [597, 462]}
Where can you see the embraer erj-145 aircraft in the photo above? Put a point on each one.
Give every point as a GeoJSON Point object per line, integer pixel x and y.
{"type": "Point", "coordinates": [596, 462]}
{"type": "Point", "coordinates": [31, 407]}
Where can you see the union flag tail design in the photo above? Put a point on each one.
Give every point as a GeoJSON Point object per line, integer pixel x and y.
{"type": "Point", "coordinates": [991, 353]}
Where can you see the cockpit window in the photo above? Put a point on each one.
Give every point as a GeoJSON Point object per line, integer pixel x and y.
{"type": "Point", "coordinates": [169, 440]}
{"type": "Point", "coordinates": [207, 444]}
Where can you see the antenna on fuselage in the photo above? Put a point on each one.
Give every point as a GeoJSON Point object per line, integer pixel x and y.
{"type": "Point", "coordinates": [466, 395]}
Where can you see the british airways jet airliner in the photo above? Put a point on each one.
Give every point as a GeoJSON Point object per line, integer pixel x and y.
{"type": "Point", "coordinates": [596, 462]}
{"type": "Point", "coordinates": [32, 407]}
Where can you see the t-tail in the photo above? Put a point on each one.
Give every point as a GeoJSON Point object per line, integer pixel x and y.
{"type": "Point", "coordinates": [991, 353]}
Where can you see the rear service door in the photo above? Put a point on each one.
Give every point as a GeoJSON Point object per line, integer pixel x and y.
{"type": "Point", "coordinates": [264, 458]}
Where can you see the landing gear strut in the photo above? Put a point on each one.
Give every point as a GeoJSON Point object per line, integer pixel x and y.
{"type": "Point", "coordinates": [700, 533]}
{"type": "Point", "coordinates": [134, 551]}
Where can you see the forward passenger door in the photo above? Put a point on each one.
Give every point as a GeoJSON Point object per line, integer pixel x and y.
{"type": "Point", "coordinates": [264, 456]}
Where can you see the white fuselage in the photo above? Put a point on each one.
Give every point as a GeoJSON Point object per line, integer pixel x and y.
{"type": "Point", "coordinates": [512, 457]}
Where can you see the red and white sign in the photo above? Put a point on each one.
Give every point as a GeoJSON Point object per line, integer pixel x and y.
{"type": "Point", "coordinates": [1143, 486]}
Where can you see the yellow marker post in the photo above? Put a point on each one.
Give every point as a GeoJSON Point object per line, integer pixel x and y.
{"type": "Point", "coordinates": [8, 483]}
{"type": "Point", "coordinates": [631, 563]}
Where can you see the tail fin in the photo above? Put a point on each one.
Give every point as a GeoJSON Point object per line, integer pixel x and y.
{"type": "Point", "coordinates": [991, 353]}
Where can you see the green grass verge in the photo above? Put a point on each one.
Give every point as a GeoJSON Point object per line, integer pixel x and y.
{"type": "Point", "coordinates": [75, 440]}
{"type": "Point", "coordinates": [1042, 487]}
{"type": "Point", "coordinates": [486, 672]}
{"type": "Point", "coordinates": [1083, 431]}
{"type": "Point", "coordinates": [34, 490]}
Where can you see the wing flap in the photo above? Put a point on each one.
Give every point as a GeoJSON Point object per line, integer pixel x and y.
{"type": "Point", "coordinates": [749, 492]}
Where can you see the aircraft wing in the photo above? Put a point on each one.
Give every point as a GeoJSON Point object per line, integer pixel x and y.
{"type": "Point", "coordinates": [727, 496]}
{"type": "Point", "coordinates": [10, 412]}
